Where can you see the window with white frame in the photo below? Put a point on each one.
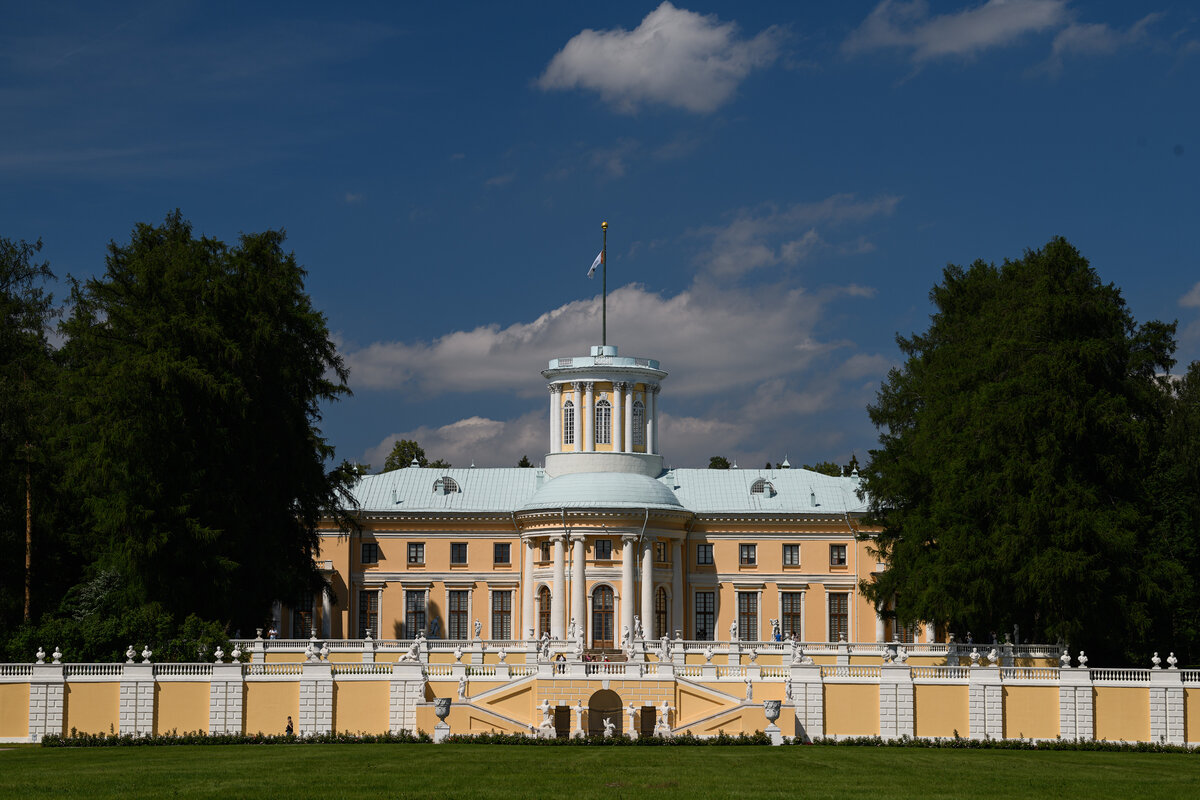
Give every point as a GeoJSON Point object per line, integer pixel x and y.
{"type": "Point", "coordinates": [837, 555]}
{"type": "Point", "coordinates": [748, 616]}
{"type": "Point", "coordinates": [839, 616]}
{"type": "Point", "coordinates": [793, 613]}
{"type": "Point", "coordinates": [706, 615]}
{"type": "Point", "coordinates": [603, 422]}
{"type": "Point", "coordinates": [414, 612]}
{"type": "Point", "coordinates": [639, 423]}
{"type": "Point", "coordinates": [603, 548]}
{"type": "Point", "coordinates": [502, 615]}
{"type": "Point", "coordinates": [458, 553]}
{"type": "Point", "coordinates": [791, 555]}
{"type": "Point", "coordinates": [368, 613]}
{"type": "Point", "coordinates": [459, 602]}
{"type": "Point", "coordinates": [370, 552]}
{"type": "Point", "coordinates": [568, 422]}
{"type": "Point", "coordinates": [704, 554]}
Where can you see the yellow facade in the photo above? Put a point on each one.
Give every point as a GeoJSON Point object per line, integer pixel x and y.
{"type": "Point", "coordinates": [92, 707]}
{"type": "Point", "coordinates": [1122, 713]}
{"type": "Point", "coordinates": [180, 706]}
{"type": "Point", "coordinates": [851, 709]}
{"type": "Point", "coordinates": [14, 710]}
{"type": "Point", "coordinates": [360, 706]}
{"type": "Point", "coordinates": [1031, 712]}
{"type": "Point", "coordinates": [268, 704]}
{"type": "Point", "coordinates": [940, 711]}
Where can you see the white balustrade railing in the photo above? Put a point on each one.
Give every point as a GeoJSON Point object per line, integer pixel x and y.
{"type": "Point", "coordinates": [1191, 675]}
{"type": "Point", "coordinates": [689, 671]}
{"type": "Point", "coordinates": [94, 670]}
{"type": "Point", "coordinates": [15, 670]}
{"type": "Point", "coordinates": [362, 669]}
{"type": "Point", "coordinates": [731, 671]}
{"type": "Point", "coordinates": [258, 670]}
{"type": "Point", "coordinates": [1121, 675]}
{"type": "Point", "coordinates": [940, 673]}
{"type": "Point", "coordinates": [439, 670]}
{"type": "Point", "coordinates": [605, 668]}
{"type": "Point", "coordinates": [184, 670]}
{"type": "Point", "coordinates": [850, 671]}
{"type": "Point", "coordinates": [1029, 673]}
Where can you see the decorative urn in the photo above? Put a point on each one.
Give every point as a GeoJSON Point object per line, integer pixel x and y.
{"type": "Point", "coordinates": [441, 707]}
{"type": "Point", "coordinates": [771, 709]}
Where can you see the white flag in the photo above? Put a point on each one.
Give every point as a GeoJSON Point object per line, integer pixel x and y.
{"type": "Point", "coordinates": [596, 263]}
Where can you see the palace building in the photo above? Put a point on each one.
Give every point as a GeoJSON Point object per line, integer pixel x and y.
{"type": "Point", "coordinates": [601, 536]}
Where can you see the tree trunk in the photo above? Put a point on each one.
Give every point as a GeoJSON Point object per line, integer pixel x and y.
{"type": "Point", "coordinates": [28, 531]}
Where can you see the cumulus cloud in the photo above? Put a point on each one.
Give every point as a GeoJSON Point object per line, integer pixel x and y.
{"type": "Point", "coordinates": [909, 26]}
{"type": "Point", "coordinates": [770, 236]}
{"type": "Point", "coordinates": [1095, 39]}
{"type": "Point", "coordinates": [675, 57]}
{"type": "Point", "coordinates": [474, 440]}
{"type": "Point", "coordinates": [1192, 298]}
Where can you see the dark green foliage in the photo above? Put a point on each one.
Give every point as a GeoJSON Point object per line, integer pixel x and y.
{"type": "Point", "coordinates": [524, 463]}
{"type": "Point", "coordinates": [404, 452]}
{"type": "Point", "coordinates": [174, 738]}
{"type": "Point", "coordinates": [1017, 450]}
{"type": "Point", "coordinates": [718, 462]}
{"type": "Point", "coordinates": [193, 378]}
{"type": "Point", "coordinates": [832, 469]}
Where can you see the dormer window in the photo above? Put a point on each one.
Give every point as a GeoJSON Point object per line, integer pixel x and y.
{"type": "Point", "coordinates": [445, 485]}
{"type": "Point", "coordinates": [763, 486]}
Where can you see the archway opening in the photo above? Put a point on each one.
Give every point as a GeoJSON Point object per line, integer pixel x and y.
{"type": "Point", "coordinates": [604, 704]}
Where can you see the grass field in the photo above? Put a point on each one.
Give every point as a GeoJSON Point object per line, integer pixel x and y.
{"type": "Point", "coordinates": [401, 770]}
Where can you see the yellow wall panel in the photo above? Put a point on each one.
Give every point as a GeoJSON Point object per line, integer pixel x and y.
{"type": "Point", "coordinates": [1191, 715]}
{"type": "Point", "coordinates": [360, 706]}
{"type": "Point", "coordinates": [1122, 713]}
{"type": "Point", "coordinates": [851, 709]}
{"type": "Point", "coordinates": [517, 703]}
{"type": "Point", "coordinates": [14, 710]}
{"type": "Point", "coordinates": [268, 704]}
{"type": "Point", "coordinates": [1031, 712]}
{"type": "Point", "coordinates": [181, 706]}
{"type": "Point", "coordinates": [93, 707]}
{"type": "Point", "coordinates": [939, 711]}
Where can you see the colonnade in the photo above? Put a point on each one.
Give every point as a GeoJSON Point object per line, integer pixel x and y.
{"type": "Point", "coordinates": [621, 424]}
{"type": "Point", "coordinates": [629, 601]}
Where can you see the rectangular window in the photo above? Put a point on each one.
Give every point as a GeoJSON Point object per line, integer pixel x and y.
{"type": "Point", "coordinates": [603, 422]}
{"type": "Point", "coordinates": [457, 621]}
{"type": "Point", "coordinates": [747, 554]}
{"type": "Point", "coordinates": [706, 615]}
{"type": "Point", "coordinates": [458, 552]}
{"type": "Point", "coordinates": [368, 613]}
{"type": "Point", "coordinates": [792, 614]}
{"type": "Point", "coordinates": [501, 615]}
{"type": "Point", "coordinates": [791, 555]}
{"type": "Point", "coordinates": [837, 555]}
{"type": "Point", "coordinates": [839, 616]}
{"type": "Point", "coordinates": [303, 624]}
{"type": "Point", "coordinates": [414, 612]}
{"type": "Point", "coordinates": [905, 633]}
{"type": "Point", "coordinates": [544, 549]}
{"type": "Point", "coordinates": [639, 424]}
{"type": "Point", "coordinates": [604, 549]}
{"type": "Point", "coordinates": [704, 554]}
{"type": "Point", "coordinates": [568, 422]}
{"type": "Point", "coordinates": [501, 553]}
{"type": "Point", "coordinates": [660, 552]}
{"type": "Point", "coordinates": [416, 552]}
{"type": "Point", "coordinates": [748, 616]}
{"type": "Point", "coordinates": [370, 552]}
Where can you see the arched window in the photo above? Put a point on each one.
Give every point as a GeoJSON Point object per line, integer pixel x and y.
{"type": "Point", "coordinates": [603, 422]}
{"type": "Point", "coordinates": [763, 486]}
{"type": "Point", "coordinates": [602, 617]}
{"type": "Point", "coordinates": [660, 613]}
{"type": "Point", "coordinates": [568, 422]}
{"type": "Point", "coordinates": [544, 611]}
{"type": "Point", "coordinates": [639, 424]}
{"type": "Point", "coordinates": [446, 485]}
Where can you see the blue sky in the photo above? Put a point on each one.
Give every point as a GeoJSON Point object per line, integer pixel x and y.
{"type": "Point", "coordinates": [783, 182]}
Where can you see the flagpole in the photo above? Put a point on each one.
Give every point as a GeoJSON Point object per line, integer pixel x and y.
{"type": "Point", "coordinates": [604, 287]}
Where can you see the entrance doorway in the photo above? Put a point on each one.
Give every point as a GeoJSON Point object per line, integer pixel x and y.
{"type": "Point", "coordinates": [562, 721]}
{"type": "Point", "coordinates": [602, 704]}
{"type": "Point", "coordinates": [602, 618]}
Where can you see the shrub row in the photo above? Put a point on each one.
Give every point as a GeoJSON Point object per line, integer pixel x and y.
{"type": "Point", "coordinates": [959, 743]}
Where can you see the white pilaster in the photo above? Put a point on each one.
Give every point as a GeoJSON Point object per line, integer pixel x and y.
{"type": "Point", "coordinates": [226, 699]}
{"type": "Point", "coordinates": [629, 417]}
{"type": "Point", "coordinates": [618, 402]}
{"type": "Point", "coordinates": [579, 416]}
{"type": "Point", "coordinates": [652, 419]}
{"type": "Point", "coordinates": [578, 581]}
{"type": "Point", "coordinates": [627, 593]}
{"type": "Point", "coordinates": [558, 597]}
{"type": "Point", "coordinates": [47, 705]}
{"type": "Point", "coordinates": [895, 701]}
{"type": "Point", "coordinates": [648, 587]}
{"type": "Point", "coordinates": [316, 699]}
{"type": "Point", "coordinates": [555, 417]}
{"type": "Point", "coordinates": [136, 714]}
{"type": "Point", "coordinates": [808, 695]}
{"type": "Point", "coordinates": [1166, 706]}
{"type": "Point", "coordinates": [326, 615]}
{"type": "Point", "coordinates": [985, 703]}
{"type": "Point", "coordinates": [1075, 706]}
{"type": "Point", "coordinates": [527, 612]}
{"type": "Point", "coordinates": [589, 416]}
{"type": "Point", "coordinates": [880, 629]}
{"type": "Point", "coordinates": [406, 690]}
{"type": "Point", "coordinates": [677, 557]}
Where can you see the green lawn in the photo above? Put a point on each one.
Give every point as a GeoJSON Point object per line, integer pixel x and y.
{"type": "Point", "coordinates": [403, 770]}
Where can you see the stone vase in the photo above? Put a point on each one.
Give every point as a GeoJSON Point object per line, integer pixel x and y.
{"type": "Point", "coordinates": [771, 709]}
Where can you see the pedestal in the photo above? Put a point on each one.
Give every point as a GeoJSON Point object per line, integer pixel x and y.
{"type": "Point", "coordinates": [440, 732]}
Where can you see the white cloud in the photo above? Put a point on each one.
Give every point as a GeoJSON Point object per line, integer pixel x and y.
{"type": "Point", "coordinates": [1094, 39]}
{"type": "Point", "coordinates": [614, 160]}
{"type": "Point", "coordinates": [674, 57]}
{"type": "Point", "coordinates": [1192, 298]}
{"type": "Point", "coordinates": [909, 26]}
{"type": "Point", "coordinates": [478, 440]}
{"type": "Point", "coordinates": [769, 236]}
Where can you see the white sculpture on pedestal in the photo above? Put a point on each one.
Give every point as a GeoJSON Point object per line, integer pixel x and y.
{"type": "Point", "coordinates": [733, 631]}
{"type": "Point", "coordinates": [546, 728]}
{"type": "Point", "coordinates": [608, 727]}
{"type": "Point", "coordinates": [662, 726]}
{"type": "Point", "coordinates": [478, 629]}
{"type": "Point", "coordinates": [462, 688]}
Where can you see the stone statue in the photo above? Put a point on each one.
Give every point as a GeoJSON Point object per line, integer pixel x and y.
{"type": "Point", "coordinates": [749, 688]}
{"type": "Point", "coordinates": [546, 728]}
{"type": "Point", "coordinates": [545, 709]}
{"type": "Point", "coordinates": [414, 651]}
{"type": "Point", "coordinates": [478, 629]}
{"type": "Point", "coordinates": [974, 656]}
{"type": "Point", "coordinates": [662, 728]}
{"type": "Point", "coordinates": [776, 635]}
{"type": "Point", "coordinates": [625, 636]}
{"type": "Point", "coordinates": [578, 650]}
{"type": "Point", "coordinates": [753, 654]}
{"type": "Point", "coordinates": [708, 654]}
{"type": "Point", "coordinates": [1083, 659]}
{"type": "Point", "coordinates": [219, 655]}
{"type": "Point", "coordinates": [1172, 661]}
{"type": "Point", "coordinates": [608, 727]}
{"type": "Point", "coordinates": [462, 688]}
{"type": "Point", "coordinates": [664, 648]}
{"type": "Point", "coordinates": [637, 627]}
{"type": "Point", "coordinates": [571, 629]}
{"type": "Point", "coordinates": [1156, 661]}
{"type": "Point", "coordinates": [902, 654]}
{"type": "Point", "coordinates": [458, 653]}
{"type": "Point", "coordinates": [501, 654]}
{"type": "Point", "coordinates": [130, 655]}
{"type": "Point", "coordinates": [733, 631]}
{"type": "Point", "coordinates": [530, 635]}
{"type": "Point", "coordinates": [787, 690]}
{"type": "Point", "coordinates": [795, 650]}
{"type": "Point", "coordinates": [1065, 660]}
{"type": "Point", "coordinates": [993, 656]}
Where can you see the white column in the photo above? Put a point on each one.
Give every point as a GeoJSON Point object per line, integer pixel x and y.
{"type": "Point", "coordinates": [629, 417]}
{"type": "Point", "coordinates": [326, 614]}
{"type": "Point", "coordinates": [555, 417]}
{"type": "Point", "coordinates": [880, 630]}
{"type": "Point", "coordinates": [677, 557]}
{"type": "Point", "coordinates": [617, 402]}
{"type": "Point", "coordinates": [651, 419]}
{"type": "Point", "coordinates": [578, 446]}
{"type": "Point", "coordinates": [648, 587]}
{"type": "Point", "coordinates": [527, 613]}
{"type": "Point", "coordinates": [627, 592]}
{"type": "Point", "coordinates": [930, 632]}
{"type": "Point", "coordinates": [589, 417]}
{"type": "Point", "coordinates": [578, 581]}
{"type": "Point", "coordinates": [803, 634]}
{"type": "Point", "coordinates": [558, 600]}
